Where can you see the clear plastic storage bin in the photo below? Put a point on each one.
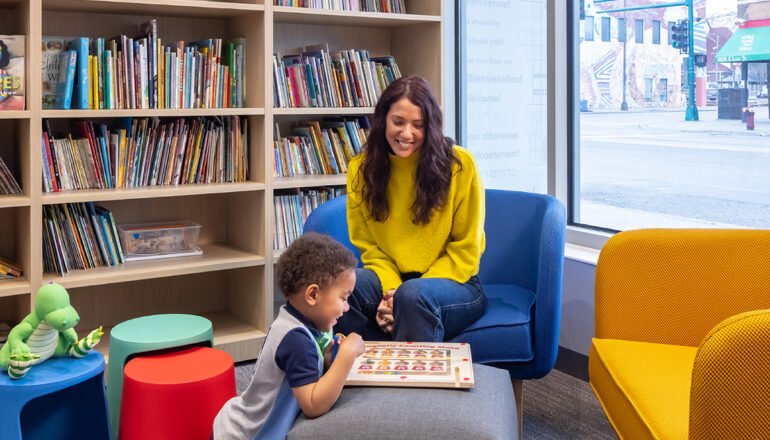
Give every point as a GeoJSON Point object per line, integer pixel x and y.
{"type": "Point", "coordinates": [159, 240]}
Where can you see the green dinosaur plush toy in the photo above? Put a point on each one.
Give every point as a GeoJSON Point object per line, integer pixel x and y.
{"type": "Point", "coordinates": [47, 331]}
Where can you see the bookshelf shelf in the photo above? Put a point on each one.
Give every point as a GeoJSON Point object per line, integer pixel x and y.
{"type": "Point", "coordinates": [286, 14]}
{"type": "Point", "coordinates": [215, 257]}
{"type": "Point", "coordinates": [178, 8]}
{"type": "Point", "coordinates": [14, 287]}
{"type": "Point", "coordinates": [14, 114]}
{"type": "Point", "coordinates": [14, 201]}
{"type": "Point", "coordinates": [161, 113]}
{"type": "Point", "coordinates": [98, 195]}
{"type": "Point", "coordinates": [321, 111]}
{"type": "Point", "coordinates": [309, 181]}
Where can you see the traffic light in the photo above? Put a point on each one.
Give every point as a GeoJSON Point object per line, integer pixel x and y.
{"type": "Point", "coordinates": [680, 36]}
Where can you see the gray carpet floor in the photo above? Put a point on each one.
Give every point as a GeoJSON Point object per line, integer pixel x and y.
{"type": "Point", "coordinates": [556, 407]}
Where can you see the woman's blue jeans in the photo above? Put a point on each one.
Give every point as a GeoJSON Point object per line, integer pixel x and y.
{"type": "Point", "coordinates": [424, 309]}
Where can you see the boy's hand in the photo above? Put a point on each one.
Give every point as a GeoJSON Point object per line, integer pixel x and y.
{"type": "Point", "coordinates": [385, 312]}
{"type": "Point", "coordinates": [328, 355]}
{"type": "Point", "coordinates": [352, 346]}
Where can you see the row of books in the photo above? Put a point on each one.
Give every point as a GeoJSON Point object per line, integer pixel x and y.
{"type": "Point", "coordinates": [315, 77]}
{"type": "Point", "coordinates": [319, 148]}
{"type": "Point", "coordinates": [12, 72]}
{"type": "Point", "coordinates": [8, 183]}
{"type": "Point", "coordinates": [142, 73]}
{"type": "Point", "coordinates": [146, 152]}
{"type": "Point", "coordinates": [395, 6]}
{"type": "Point", "coordinates": [9, 270]}
{"type": "Point", "coordinates": [79, 236]}
{"type": "Point", "coordinates": [291, 211]}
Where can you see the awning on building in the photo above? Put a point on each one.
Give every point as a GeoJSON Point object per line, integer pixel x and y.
{"type": "Point", "coordinates": [747, 44]}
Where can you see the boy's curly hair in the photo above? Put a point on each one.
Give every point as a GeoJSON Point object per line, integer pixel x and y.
{"type": "Point", "coordinates": [312, 259]}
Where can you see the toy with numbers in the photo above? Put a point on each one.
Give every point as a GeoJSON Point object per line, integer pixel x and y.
{"type": "Point", "coordinates": [413, 364]}
{"type": "Point", "coordinates": [46, 332]}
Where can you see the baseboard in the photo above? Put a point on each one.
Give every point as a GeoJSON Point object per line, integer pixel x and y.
{"type": "Point", "coordinates": [573, 363]}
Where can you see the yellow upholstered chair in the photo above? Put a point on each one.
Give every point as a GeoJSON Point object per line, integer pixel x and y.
{"type": "Point", "coordinates": [682, 334]}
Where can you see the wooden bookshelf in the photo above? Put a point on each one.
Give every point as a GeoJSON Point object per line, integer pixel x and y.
{"type": "Point", "coordinates": [232, 283]}
{"type": "Point", "coordinates": [14, 287]}
{"type": "Point", "coordinates": [309, 181]}
{"type": "Point", "coordinates": [284, 14]}
{"type": "Point", "coordinates": [323, 111]}
{"type": "Point", "coordinates": [147, 113]}
{"type": "Point", "coordinates": [12, 201]}
{"type": "Point", "coordinates": [151, 192]}
{"type": "Point", "coordinates": [14, 114]}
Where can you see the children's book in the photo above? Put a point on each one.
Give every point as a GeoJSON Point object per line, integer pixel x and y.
{"type": "Point", "coordinates": [67, 69]}
{"type": "Point", "coordinates": [82, 86]}
{"type": "Point", "coordinates": [52, 49]}
{"type": "Point", "coordinates": [413, 364]}
{"type": "Point", "coordinates": [12, 84]}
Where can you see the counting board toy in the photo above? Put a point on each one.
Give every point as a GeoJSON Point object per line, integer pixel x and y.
{"type": "Point", "coordinates": [413, 364]}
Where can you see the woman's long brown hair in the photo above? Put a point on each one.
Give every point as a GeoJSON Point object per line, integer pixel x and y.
{"type": "Point", "coordinates": [434, 171]}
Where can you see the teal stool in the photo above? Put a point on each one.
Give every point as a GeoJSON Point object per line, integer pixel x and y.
{"type": "Point", "coordinates": [148, 334]}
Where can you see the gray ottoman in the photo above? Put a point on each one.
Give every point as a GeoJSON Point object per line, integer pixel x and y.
{"type": "Point", "coordinates": [487, 411]}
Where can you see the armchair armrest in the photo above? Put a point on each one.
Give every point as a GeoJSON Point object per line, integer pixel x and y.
{"type": "Point", "coordinates": [731, 380]}
{"type": "Point", "coordinates": [547, 307]}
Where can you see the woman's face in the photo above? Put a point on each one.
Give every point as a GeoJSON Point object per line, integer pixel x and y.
{"type": "Point", "coordinates": [404, 127]}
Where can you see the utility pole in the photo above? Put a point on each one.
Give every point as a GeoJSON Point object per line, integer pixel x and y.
{"type": "Point", "coordinates": [691, 114]}
{"type": "Point", "coordinates": [624, 104]}
{"type": "Point", "coordinates": [692, 111]}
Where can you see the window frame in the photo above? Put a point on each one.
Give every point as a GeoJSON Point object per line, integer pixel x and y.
{"type": "Point", "coordinates": [564, 121]}
{"type": "Point", "coordinates": [655, 31]}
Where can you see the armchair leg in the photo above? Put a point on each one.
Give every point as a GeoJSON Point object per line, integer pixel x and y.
{"type": "Point", "coordinates": [518, 396]}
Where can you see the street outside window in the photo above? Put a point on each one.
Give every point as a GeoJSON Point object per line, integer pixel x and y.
{"type": "Point", "coordinates": [658, 146]}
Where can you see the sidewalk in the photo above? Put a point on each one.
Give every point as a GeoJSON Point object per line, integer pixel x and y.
{"type": "Point", "coordinates": [673, 119]}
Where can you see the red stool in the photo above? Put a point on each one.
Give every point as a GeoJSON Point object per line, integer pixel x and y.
{"type": "Point", "coordinates": [175, 395]}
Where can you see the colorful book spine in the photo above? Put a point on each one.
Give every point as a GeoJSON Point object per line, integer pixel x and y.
{"type": "Point", "coordinates": [68, 66]}
{"type": "Point", "coordinates": [80, 98]}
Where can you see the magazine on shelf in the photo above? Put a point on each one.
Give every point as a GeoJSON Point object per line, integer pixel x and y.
{"type": "Point", "coordinates": [12, 84]}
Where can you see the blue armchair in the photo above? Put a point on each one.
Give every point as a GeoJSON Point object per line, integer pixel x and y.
{"type": "Point", "coordinates": [521, 271]}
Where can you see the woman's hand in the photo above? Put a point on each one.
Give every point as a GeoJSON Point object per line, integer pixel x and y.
{"type": "Point", "coordinates": [385, 312]}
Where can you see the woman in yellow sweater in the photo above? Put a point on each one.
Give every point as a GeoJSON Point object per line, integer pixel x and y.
{"type": "Point", "coordinates": [416, 212]}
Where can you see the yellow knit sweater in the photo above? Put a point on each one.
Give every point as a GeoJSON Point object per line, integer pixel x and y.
{"type": "Point", "coordinates": [449, 246]}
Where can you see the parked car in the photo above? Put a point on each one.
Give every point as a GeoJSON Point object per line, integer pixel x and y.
{"type": "Point", "coordinates": [712, 91]}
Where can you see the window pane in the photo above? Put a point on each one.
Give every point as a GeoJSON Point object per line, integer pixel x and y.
{"type": "Point", "coordinates": [639, 32]}
{"type": "Point", "coordinates": [670, 34]}
{"type": "Point", "coordinates": [605, 29]}
{"type": "Point", "coordinates": [649, 166]}
{"type": "Point", "coordinates": [589, 28]}
{"type": "Point", "coordinates": [621, 30]}
{"type": "Point", "coordinates": [503, 90]}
